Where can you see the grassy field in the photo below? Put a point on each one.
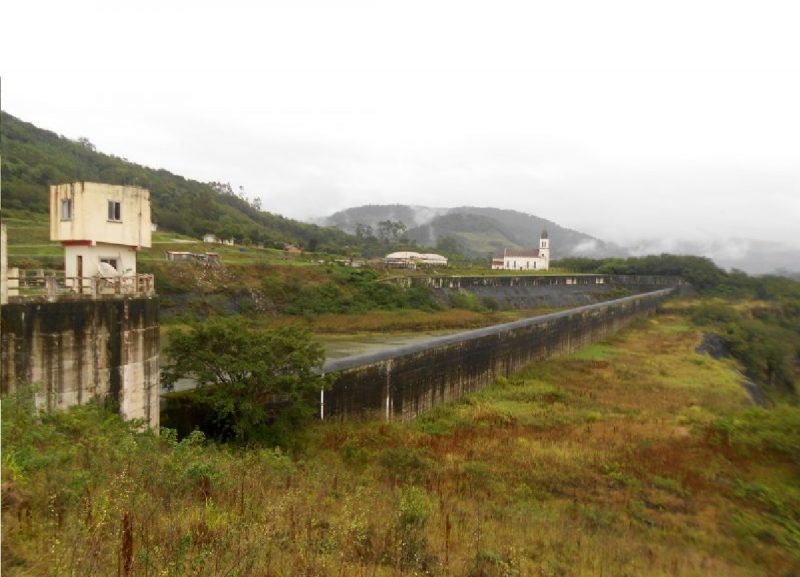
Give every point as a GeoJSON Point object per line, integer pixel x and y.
{"type": "Point", "coordinates": [29, 238]}
{"type": "Point", "coordinates": [635, 456]}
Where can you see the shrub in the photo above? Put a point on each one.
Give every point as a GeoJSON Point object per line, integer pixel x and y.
{"type": "Point", "coordinates": [761, 430]}
{"type": "Point", "coordinates": [413, 511]}
{"type": "Point", "coordinates": [346, 290]}
{"type": "Point", "coordinates": [489, 563]}
{"type": "Point", "coordinates": [406, 464]}
{"type": "Point", "coordinates": [465, 300]}
{"type": "Point", "coordinates": [263, 382]}
{"type": "Point", "coordinates": [766, 349]}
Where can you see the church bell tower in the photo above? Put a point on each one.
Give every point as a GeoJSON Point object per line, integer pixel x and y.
{"type": "Point", "coordinates": [544, 248]}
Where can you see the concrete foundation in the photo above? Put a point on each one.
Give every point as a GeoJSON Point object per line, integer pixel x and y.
{"type": "Point", "coordinates": [74, 351]}
{"type": "Point", "coordinates": [403, 382]}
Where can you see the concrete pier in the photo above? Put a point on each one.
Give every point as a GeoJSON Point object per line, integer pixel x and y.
{"type": "Point", "coordinates": [73, 351]}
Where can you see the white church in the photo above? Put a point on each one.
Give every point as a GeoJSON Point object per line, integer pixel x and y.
{"type": "Point", "coordinates": [525, 259]}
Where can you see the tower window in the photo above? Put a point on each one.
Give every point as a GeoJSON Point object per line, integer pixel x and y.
{"type": "Point", "coordinates": [66, 209]}
{"type": "Point", "coordinates": [114, 210]}
{"type": "Point", "coordinates": [110, 261]}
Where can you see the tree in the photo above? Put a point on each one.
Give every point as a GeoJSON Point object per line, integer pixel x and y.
{"type": "Point", "coordinates": [86, 143]}
{"type": "Point", "coordinates": [448, 245]}
{"type": "Point", "coordinates": [399, 228]}
{"type": "Point", "coordinates": [364, 231]}
{"type": "Point", "coordinates": [389, 230]}
{"type": "Point", "coordinates": [262, 382]}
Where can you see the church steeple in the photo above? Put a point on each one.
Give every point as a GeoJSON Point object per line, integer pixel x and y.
{"type": "Point", "coordinates": [544, 247]}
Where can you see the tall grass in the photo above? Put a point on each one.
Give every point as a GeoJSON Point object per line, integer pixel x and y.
{"type": "Point", "coordinates": [638, 457]}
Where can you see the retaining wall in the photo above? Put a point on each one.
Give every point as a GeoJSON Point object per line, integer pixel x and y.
{"type": "Point", "coordinates": [530, 291]}
{"type": "Point", "coordinates": [401, 383]}
{"type": "Point", "coordinates": [76, 350]}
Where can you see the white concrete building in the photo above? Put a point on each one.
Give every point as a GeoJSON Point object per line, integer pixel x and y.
{"type": "Point", "coordinates": [525, 259]}
{"type": "Point", "coordinates": [101, 227]}
{"type": "Point", "coordinates": [432, 258]}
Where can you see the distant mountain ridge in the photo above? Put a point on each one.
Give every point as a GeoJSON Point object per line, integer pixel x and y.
{"type": "Point", "coordinates": [477, 231]}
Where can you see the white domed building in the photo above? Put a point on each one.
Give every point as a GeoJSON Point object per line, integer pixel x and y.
{"type": "Point", "coordinates": [409, 259]}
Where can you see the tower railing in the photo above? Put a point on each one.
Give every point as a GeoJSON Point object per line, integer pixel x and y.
{"type": "Point", "coordinates": [54, 285]}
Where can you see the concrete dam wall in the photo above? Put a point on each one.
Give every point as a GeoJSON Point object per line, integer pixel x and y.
{"type": "Point", "coordinates": [530, 291]}
{"type": "Point", "coordinates": [74, 351]}
{"type": "Point", "coordinates": [402, 383]}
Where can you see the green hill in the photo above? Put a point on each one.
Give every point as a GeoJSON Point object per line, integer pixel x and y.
{"type": "Point", "coordinates": [33, 159]}
{"type": "Point", "coordinates": [474, 231]}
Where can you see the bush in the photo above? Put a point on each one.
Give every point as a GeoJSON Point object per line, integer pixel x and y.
{"type": "Point", "coordinates": [346, 291]}
{"type": "Point", "coordinates": [490, 304]}
{"type": "Point", "coordinates": [760, 430]}
{"type": "Point", "coordinates": [406, 464]}
{"type": "Point", "coordinates": [413, 511]}
{"type": "Point", "coordinates": [489, 563]}
{"type": "Point", "coordinates": [264, 383]}
{"type": "Point", "coordinates": [465, 300]}
{"type": "Point", "coordinates": [766, 349]}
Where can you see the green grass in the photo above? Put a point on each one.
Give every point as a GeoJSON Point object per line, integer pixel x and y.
{"type": "Point", "coordinates": [29, 242]}
{"type": "Point", "coordinates": [627, 458]}
{"type": "Point", "coordinates": [29, 237]}
{"type": "Point", "coordinates": [597, 352]}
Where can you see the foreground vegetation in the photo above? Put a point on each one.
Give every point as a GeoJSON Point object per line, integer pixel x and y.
{"type": "Point", "coordinates": [636, 456]}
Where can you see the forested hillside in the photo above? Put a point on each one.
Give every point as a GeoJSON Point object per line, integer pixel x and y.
{"type": "Point", "coordinates": [33, 158]}
{"type": "Point", "coordinates": [475, 231]}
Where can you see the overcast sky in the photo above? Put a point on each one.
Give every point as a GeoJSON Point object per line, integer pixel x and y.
{"type": "Point", "coordinates": [626, 120]}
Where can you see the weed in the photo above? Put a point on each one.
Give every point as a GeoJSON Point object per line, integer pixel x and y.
{"type": "Point", "coordinates": [413, 512]}
{"type": "Point", "coordinates": [406, 464]}
{"type": "Point", "coordinates": [490, 563]}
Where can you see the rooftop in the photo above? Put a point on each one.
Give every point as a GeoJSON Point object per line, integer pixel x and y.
{"type": "Point", "coordinates": [520, 253]}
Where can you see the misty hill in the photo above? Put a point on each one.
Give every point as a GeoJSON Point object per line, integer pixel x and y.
{"type": "Point", "coordinates": [33, 158]}
{"type": "Point", "coordinates": [751, 255]}
{"type": "Point", "coordinates": [476, 231]}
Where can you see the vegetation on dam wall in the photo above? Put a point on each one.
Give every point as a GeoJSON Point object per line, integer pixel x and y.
{"type": "Point", "coordinates": [635, 456]}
